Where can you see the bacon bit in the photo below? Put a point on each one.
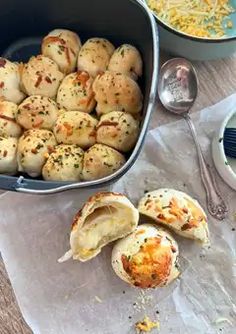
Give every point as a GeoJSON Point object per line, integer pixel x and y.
{"type": "Point", "coordinates": [48, 80]}
{"type": "Point", "coordinates": [34, 151]}
{"type": "Point", "coordinates": [5, 153]}
{"type": "Point", "coordinates": [73, 52]}
{"type": "Point", "coordinates": [107, 123]}
{"type": "Point", "coordinates": [82, 77]}
{"type": "Point", "coordinates": [90, 98]}
{"type": "Point", "coordinates": [191, 224]}
{"type": "Point", "coordinates": [161, 216]}
{"type": "Point", "coordinates": [173, 249]}
{"type": "Point", "coordinates": [125, 262]}
{"type": "Point", "coordinates": [39, 80]}
{"type": "Point", "coordinates": [38, 122]}
{"type": "Point", "coordinates": [2, 84]}
{"type": "Point", "coordinates": [27, 106]}
{"type": "Point", "coordinates": [93, 133]}
{"type": "Point", "coordinates": [59, 127]}
{"type": "Point", "coordinates": [82, 101]}
{"type": "Point", "coordinates": [69, 128]}
{"type": "Point", "coordinates": [2, 62]}
{"type": "Point", "coordinates": [50, 149]}
{"type": "Point", "coordinates": [67, 52]}
{"type": "Point", "coordinates": [7, 118]}
{"type": "Point", "coordinates": [185, 210]}
{"type": "Point", "coordinates": [54, 39]}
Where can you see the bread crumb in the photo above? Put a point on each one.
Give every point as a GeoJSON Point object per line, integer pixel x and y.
{"type": "Point", "coordinates": [142, 301]}
{"type": "Point", "coordinates": [146, 325]}
{"type": "Point", "coordinates": [98, 299]}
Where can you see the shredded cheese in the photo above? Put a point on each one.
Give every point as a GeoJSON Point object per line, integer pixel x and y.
{"type": "Point", "coordinates": [200, 18]}
{"type": "Point", "coordinates": [146, 325]}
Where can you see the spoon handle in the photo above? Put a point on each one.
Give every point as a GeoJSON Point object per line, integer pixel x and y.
{"type": "Point", "coordinates": [215, 203]}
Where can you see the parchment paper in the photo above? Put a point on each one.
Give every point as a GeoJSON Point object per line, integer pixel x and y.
{"type": "Point", "coordinates": [81, 298]}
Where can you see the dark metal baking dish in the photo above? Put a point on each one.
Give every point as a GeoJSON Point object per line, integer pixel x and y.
{"type": "Point", "coordinates": [122, 21]}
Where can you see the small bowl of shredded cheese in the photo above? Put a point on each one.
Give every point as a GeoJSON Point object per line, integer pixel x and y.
{"type": "Point", "coordinates": [208, 23]}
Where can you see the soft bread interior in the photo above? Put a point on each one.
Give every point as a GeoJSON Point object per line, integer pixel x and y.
{"type": "Point", "coordinates": [103, 225]}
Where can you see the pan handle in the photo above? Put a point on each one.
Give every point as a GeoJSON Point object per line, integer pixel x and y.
{"type": "Point", "coordinates": [22, 186]}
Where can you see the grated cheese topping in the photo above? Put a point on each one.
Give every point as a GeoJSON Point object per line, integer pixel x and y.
{"type": "Point", "coordinates": [200, 18]}
{"type": "Point", "coordinates": [146, 325]}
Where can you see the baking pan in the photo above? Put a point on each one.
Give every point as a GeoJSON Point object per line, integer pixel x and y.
{"type": "Point", "coordinates": [22, 25]}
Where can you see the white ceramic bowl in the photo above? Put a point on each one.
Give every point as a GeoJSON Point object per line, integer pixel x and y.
{"type": "Point", "coordinates": [225, 166]}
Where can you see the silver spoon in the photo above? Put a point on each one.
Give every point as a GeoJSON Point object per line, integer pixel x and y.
{"type": "Point", "coordinates": [178, 89]}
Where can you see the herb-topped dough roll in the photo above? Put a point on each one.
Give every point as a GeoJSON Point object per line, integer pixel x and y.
{"type": "Point", "coordinates": [65, 163]}
{"type": "Point", "coordinates": [10, 88]}
{"type": "Point", "coordinates": [178, 211]}
{"type": "Point", "coordinates": [37, 112]}
{"type": "Point", "coordinates": [76, 127]}
{"type": "Point", "coordinates": [127, 60]}
{"type": "Point", "coordinates": [62, 46]}
{"type": "Point", "coordinates": [8, 157]}
{"type": "Point", "coordinates": [75, 92]}
{"type": "Point", "coordinates": [117, 92]}
{"type": "Point", "coordinates": [41, 76]}
{"type": "Point", "coordinates": [94, 56]}
{"type": "Point", "coordinates": [119, 130]}
{"type": "Point", "coordinates": [33, 150]}
{"type": "Point", "coordinates": [100, 161]}
{"type": "Point", "coordinates": [8, 124]}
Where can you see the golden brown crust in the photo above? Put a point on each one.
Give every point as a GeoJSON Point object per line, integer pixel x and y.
{"type": "Point", "coordinates": [151, 265]}
{"type": "Point", "coordinates": [117, 92]}
{"type": "Point", "coordinates": [41, 76]}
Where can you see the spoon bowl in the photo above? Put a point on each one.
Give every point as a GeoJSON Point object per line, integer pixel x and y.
{"type": "Point", "coordinates": [178, 85]}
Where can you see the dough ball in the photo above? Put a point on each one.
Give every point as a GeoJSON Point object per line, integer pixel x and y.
{"type": "Point", "coordinates": [100, 161]}
{"type": "Point", "coordinates": [76, 127]}
{"type": "Point", "coordinates": [37, 112]}
{"type": "Point", "coordinates": [118, 130]}
{"type": "Point", "coordinates": [10, 81]}
{"type": "Point", "coordinates": [33, 150]}
{"type": "Point", "coordinates": [105, 217]}
{"type": "Point", "coordinates": [8, 125]}
{"type": "Point", "coordinates": [41, 76]}
{"type": "Point", "coordinates": [117, 92]}
{"type": "Point", "coordinates": [177, 211]}
{"type": "Point", "coordinates": [65, 163]}
{"type": "Point", "coordinates": [146, 258]}
{"type": "Point", "coordinates": [127, 60]}
{"type": "Point", "coordinates": [8, 160]}
{"type": "Point", "coordinates": [76, 93]}
{"type": "Point", "coordinates": [62, 46]}
{"type": "Point", "coordinates": [94, 56]}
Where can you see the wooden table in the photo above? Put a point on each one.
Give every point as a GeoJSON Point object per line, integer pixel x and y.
{"type": "Point", "coordinates": [217, 80]}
